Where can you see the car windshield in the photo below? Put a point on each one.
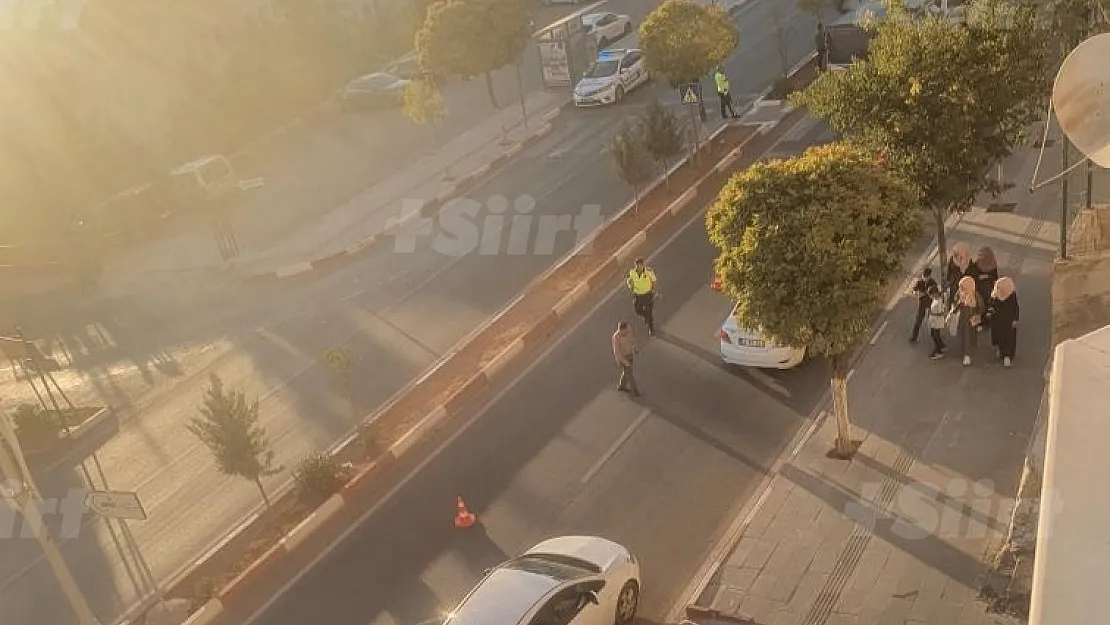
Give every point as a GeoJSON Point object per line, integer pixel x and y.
{"type": "Point", "coordinates": [602, 69]}
{"type": "Point", "coordinates": [558, 567]}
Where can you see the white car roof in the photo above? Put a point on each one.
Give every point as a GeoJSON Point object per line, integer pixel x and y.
{"type": "Point", "coordinates": [731, 325]}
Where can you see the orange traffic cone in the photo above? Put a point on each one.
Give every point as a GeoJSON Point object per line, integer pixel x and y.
{"type": "Point", "coordinates": [716, 285]}
{"type": "Point", "coordinates": [464, 518]}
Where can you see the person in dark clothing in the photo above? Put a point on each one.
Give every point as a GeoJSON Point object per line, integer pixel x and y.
{"type": "Point", "coordinates": [1003, 313]}
{"type": "Point", "coordinates": [922, 289]}
{"type": "Point", "coordinates": [959, 266]}
{"type": "Point", "coordinates": [823, 41]}
{"type": "Point", "coordinates": [938, 321]}
{"type": "Point", "coordinates": [986, 274]}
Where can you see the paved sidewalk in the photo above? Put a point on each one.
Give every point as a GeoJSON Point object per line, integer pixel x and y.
{"type": "Point", "coordinates": [898, 535]}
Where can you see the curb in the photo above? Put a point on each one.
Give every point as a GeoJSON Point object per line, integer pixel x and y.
{"type": "Point", "coordinates": [236, 591]}
{"type": "Point", "coordinates": [334, 260]}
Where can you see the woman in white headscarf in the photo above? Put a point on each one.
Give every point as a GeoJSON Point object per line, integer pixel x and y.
{"type": "Point", "coordinates": [1004, 313]}
{"type": "Point", "coordinates": [970, 308]}
{"type": "Point", "coordinates": [960, 265]}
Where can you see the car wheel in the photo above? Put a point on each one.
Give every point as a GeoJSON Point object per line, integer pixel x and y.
{"type": "Point", "coordinates": [628, 601]}
{"type": "Point", "coordinates": [619, 95]}
{"type": "Point", "coordinates": [627, 28]}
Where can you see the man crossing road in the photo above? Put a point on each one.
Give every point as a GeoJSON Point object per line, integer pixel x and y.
{"type": "Point", "coordinates": [641, 282]}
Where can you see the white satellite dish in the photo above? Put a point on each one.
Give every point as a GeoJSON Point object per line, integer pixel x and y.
{"type": "Point", "coordinates": [1081, 98]}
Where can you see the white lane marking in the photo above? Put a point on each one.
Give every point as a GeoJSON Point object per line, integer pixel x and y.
{"type": "Point", "coordinates": [878, 333]}
{"type": "Point", "coordinates": [617, 289]}
{"type": "Point", "coordinates": [615, 447]}
{"type": "Point", "coordinates": [848, 377]}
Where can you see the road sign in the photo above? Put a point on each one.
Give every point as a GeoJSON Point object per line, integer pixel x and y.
{"type": "Point", "coordinates": [116, 505]}
{"type": "Point", "coordinates": [690, 93]}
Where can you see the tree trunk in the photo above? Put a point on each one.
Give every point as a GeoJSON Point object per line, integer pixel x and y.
{"type": "Point", "coordinates": [666, 175]}
{"type": "Point", "coordinates": [496, 106]}
{"type": "Point", "coordinates": [262, 491]}
{"type": "Point", "coordinates": [942, 243]}
{"type": "Point", "coordinates": [350, 390]}
{"type": "Point", "coordinates": [520, 90]}
{"type": "Point", "coordinates": [845, 448]}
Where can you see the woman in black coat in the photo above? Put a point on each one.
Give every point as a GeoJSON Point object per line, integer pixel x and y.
{"type": "Point", "coordinates": [986, 274]}
{"type": "Point", "coordinates": [959, 266]}
{"type": "Point", "coordinates": [1004, 312]}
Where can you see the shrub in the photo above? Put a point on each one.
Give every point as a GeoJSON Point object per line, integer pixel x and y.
{"type": "Point", "coordinates": [318, 476]}
{"type": "Point", "coordinates": [35, 426]}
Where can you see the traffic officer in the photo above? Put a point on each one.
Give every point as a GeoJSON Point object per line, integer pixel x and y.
{"type": "Point", "coordinates": [641, 282]}
{"type": "Point", "coordinates": [724, 94]}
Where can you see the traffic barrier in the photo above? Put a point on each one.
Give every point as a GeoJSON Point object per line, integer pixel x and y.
{"type": "Point", "coordinates": [494, 366]}
{"type": "Point", "coordinates": [682, 201]}
{"type": "Point", "coordinates": [326, 512]}
{"type": "Point", "coordinates": [208, 613]}
{"type": "Point", "coordinates": [624, 254]}
{"type": "Point", "coordinates": [467, 392]}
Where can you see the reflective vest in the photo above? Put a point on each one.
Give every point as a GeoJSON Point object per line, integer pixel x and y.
{"type": "Point", "coordinates": [641, 283]}
{"type": "Point", "coordinates": [722, 82]}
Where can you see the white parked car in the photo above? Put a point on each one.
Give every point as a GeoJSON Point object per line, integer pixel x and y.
{"type": "Point", "coordinates": [570, 580]}
{"type": "Point", "coordinates": [748, 348]}
{"type": "Point", "coordinates": [612, 75]}
{"type": "Point", "coordinates": [606, 27]}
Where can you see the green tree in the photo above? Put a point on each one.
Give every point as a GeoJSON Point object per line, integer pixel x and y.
{"type": "Point", "coordinates": [662, 135]}
{"type": "Point", "coordinates": [806, 247]}
{"type": "Point", "coordinates": [472, 38]}
{"type": "Point", "coordinates": [342, 361]}
{"type": "Point", "coordinates": [942, 102]}
{"type": "Point", "coordinates": [684, 40]}
{"type": "Point", "coordinates": [630, 156]}
{"type": "Point", "coordinates": [228, 425]}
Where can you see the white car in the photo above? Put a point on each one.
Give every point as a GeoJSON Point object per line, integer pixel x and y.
{"type": "Point", "coordinates": [610, 77]}
{"type": "Point", "coordinates": [570, 580]}
{"type": "Point", "coordinates": [606, 27]}
{"type": "Point", "coordinates": [747, 348]}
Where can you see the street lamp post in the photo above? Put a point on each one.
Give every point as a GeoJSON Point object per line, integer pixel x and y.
{"type": "Point", "coordinates": [20, 492]}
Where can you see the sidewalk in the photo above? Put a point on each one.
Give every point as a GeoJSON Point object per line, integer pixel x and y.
{"type": "Point", "coordinates": [898, 535]}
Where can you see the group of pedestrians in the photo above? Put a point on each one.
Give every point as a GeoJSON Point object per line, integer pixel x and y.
{"type": "Point", "coordinates": [974, 299]}
{"type": "Point", "coordinates": [642, 284]}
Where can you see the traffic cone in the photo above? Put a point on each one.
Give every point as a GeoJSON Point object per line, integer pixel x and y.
{"type": "Point", "coordinates": [716, 285]}
{"type": "Point", "coordinates": [464, 518]}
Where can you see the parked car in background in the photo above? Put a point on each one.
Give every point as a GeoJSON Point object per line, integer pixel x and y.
{"type": "Point", "coordinates": [570, 580]}
{"type": "Point", "coordinates": [377, 90]}
{"type": "Point", "coordinates": [606, 28]}
{"type": "Point", "coordinates": [749, 348]}
{"type": "Point", "coordinates": [408, 67]}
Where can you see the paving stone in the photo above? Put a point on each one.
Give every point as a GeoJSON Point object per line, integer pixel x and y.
{"type": "Point", "coordinates": [897, 611]}
{"type": "Point", "coordinates": [740, 551]}
{"type": "Point", "coordinates": [727, 599]}
{"type": "Point", "coordinates": [738, 577]}
{"type": "Point", "coordinates": [847, 619]}
{"type": "Point", "coordinates": [761, 609]}
{"type": "Point", "coordinates": [786, 617]}
{"type": "Point", "coordinates": [765, 584]}
{"type": "Point", "coordinates": [761, 551]}
{"type": "Point", "coordinates": [936, 611]}
{"type": "Point", "coordinates": [852, 600]}
{"type": "Point", "coordinates": [807, 588]}
{"type": "Point", "coordinates": [824, 559]}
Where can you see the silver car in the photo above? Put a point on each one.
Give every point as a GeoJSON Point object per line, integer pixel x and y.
{"type": "Point", "coordinates": [378, 90]}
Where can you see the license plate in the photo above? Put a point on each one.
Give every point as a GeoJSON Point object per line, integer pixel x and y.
{"type": "Point", "coordinates": [752, 343]}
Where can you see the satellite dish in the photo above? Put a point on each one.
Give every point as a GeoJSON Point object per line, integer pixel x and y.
{"type": "Point", "coordinates": [1081, 98]}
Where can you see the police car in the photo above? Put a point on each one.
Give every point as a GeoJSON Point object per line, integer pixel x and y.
{"type": "Point", "coordinates": [610, 77]}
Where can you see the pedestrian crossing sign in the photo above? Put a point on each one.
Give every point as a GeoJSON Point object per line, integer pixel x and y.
{"type": "Point", "coordinates": [690, 94]}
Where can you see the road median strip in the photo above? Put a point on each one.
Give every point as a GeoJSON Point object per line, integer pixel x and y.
{"type": "Point", "coordinates": [458, 381]}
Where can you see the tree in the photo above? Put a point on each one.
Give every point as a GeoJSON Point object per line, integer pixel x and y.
{"type": "Point", "coordinates": [472, 37]}
{"type": "Point", "coordinates": [942, 102]}
{"type": "Point", "coordinates": [662, 135]}
{"type": "Point", "coordinates": [229, 427]}
{"type": "Point", "coordinates": [806, 247]}
{"type": "Point", "coordinates": [683, 40]}
{"type": "Point", "coordinates": [630, 156]}
{"type": "Point", "coordinates": [342, 361]}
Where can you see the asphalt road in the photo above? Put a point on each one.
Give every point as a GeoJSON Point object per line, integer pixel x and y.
{"type": "Point", "coordinates": [562, 452]}
{"type": "Point", "coordinates": [398, 312]}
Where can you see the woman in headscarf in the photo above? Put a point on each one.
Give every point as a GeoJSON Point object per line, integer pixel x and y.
{"type": "Point", "coordinates": [970, 308]}
{"type": "Point", "coordinates": [1004, 313]}
{"type": "Point", "coordinates": [959, 266]}
{"type": "Point", "coordinates": [986, 274]}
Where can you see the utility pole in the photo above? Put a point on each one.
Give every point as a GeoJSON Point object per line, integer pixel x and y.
{"type": "Point", "coordinates": [22, 495]}
{"type": "Point", "coordinates": [1064, 143]}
